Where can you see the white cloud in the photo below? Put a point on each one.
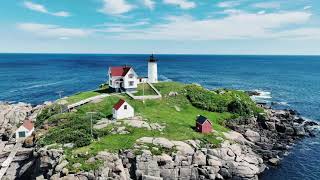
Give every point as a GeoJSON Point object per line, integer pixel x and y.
{"type": "Point", "coordinates": [61, 14]}
{"type": "Point", "coordinates": [228, 4]}
{"type": "Point", "coordinates": [35, 7]}
{"type": "Point", "coordinates": [116, 7]}
{"type": "Point", "coordinates": [53, 31]}
{"type": "Point", "coordinates": [307, 7]}
{"type": "Point", "coordinates": [267, 5]}
{"type": "Point", "coordinates": [42, 9]}
{"type": "Point", "coordinates": [149, 4]}
{"type": "Point", "coordinates": [183, 4]}
{"type": "Point", "coordinates": [241, 25]}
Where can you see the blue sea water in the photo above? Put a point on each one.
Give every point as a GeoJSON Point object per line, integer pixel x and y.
{"type": "Point", "coordinates": [292, 81]}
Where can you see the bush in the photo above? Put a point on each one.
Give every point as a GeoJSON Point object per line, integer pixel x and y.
{"type": "Point", "coordinates": [49, 111]}
{"type": "Point", "coordinates": [221, 100]}
{"type": "Point", "coordinates": [239, 107]}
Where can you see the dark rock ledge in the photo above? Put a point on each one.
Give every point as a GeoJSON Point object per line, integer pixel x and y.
{"type": "Point", "coordinates": [273, 133]}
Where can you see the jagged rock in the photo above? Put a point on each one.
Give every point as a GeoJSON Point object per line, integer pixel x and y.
{"type": "Point", "coordinates": [41, 177]}
{"type": "Point", "coordinates": [172, 93]}
{"type": "Point", "coordinates": [225, 173]}
{"type": "Point", "coordinates": [274, 161]}
{"type": "Point", "coordinates": [199, 158]}
{"type": "Point", "coordinates": [65, 171]}
{"type": "Point", "coordinates": [163, 142]}
{"type": "Point", "coordinates": [236, 137]}
{"type": "Point", "coordinates": [299, 130]}
{"type": "Point", "coordinates": [60, 166]}
{"type": "Point", "coordinates": [183, 147]}
{"type": "Point", "coordinates": [55, 177]}
{"type": "Point", "coordinates": [252, 135]}
{"type": "Point", "coordinates": [146, 177]}
{"type": "Point", "coordinates": [271, 126]}
{"type": "Point", "coordinates": [91, 160]}
{"type": "Point", "coordinates": [68, 145]}
{"type": "Point", "coordinates": [77, 165]}
{"type": "Point", "coordinates": [214, 161]}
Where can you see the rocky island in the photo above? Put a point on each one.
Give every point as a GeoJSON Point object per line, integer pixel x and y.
{"type": "Point", "coordinates": [159, 142]}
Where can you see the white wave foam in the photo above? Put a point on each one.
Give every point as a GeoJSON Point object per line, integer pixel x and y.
{"type": "Point", "coordinates": [283, 103]}
{"type": "Point", "coordinates": [263, 96]}
{"type": "Point", "coordinates": [37, 86]}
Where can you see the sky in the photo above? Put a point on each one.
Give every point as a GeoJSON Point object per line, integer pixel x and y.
{"type": "Point", "coordinates": [286, 27]}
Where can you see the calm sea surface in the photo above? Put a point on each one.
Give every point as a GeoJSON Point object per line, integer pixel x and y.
{"type": "Point", "coordinates": [292, 81]}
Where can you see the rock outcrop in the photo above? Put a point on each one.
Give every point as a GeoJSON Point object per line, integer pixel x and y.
{"type": "Point", "coordinates": [271, 134]}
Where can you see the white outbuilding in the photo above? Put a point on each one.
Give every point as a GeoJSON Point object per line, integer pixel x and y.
{"type": "Point", "coordinates": [122, 110]}
{"type": "Point", "coordinates": [25, 130]}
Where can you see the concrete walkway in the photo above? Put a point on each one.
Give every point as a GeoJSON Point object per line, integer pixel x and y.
{"type": "Point", "coordinates": [88, 100]}
{"type": "Point", "coordinates": [158, 96]}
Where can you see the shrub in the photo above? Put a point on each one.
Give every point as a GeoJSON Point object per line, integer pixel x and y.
{"type": "Point", "coordinates": [221, 100]}
{"type": "Point", "coordinates": [49, 111]}
{"type": "Point", "coordinates": [239, 107]}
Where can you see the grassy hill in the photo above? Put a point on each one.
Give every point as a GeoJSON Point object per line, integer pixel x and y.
{"type": "Point", "coordinates": [177, 113]}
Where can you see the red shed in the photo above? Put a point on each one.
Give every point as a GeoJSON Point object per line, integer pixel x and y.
{"type": "Point", "coordinates": [203, 124]}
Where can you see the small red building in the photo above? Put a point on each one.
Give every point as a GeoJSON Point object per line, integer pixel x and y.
{"type": "Point", "coordinates": [203, 124]}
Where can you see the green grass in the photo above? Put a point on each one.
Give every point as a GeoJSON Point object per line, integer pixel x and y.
{"type": "Point", "coordinates": [179, 124]}
{"type": "Point", "coordinates": [81, 96]}
{"type": "Point", "coordinates": [144, 89]}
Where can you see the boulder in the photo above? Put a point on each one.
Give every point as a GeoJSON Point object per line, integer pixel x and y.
{"type": "Point", "coordinates": [271, 126]}
{"type": "Point", "coordinates": [147, 177]}
{"type": "Point", "coordinates": [183, 147]}
{"type": "Point", "coordinates": [236, 137]}
{"type": "Point", "coordinates": [199, 158]}
{"type": "Point", "coordinates": [163, 142]}
{"type": "Point", "coordinates": [252, 135]}
{"type": "Point", "coordinates": [214, 161]}
{"type": "Point", "coordinates": [299, 130]}
{"type": "Point", "coordinates": [60, 166]}
{"type": "Point", "coordinates": [225, 173]}
{"type": "Point", "coordinates": [274, 161]}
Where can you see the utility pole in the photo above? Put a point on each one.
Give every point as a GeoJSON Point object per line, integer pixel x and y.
{"type": "Point", "coordinates": [91, 113]}
{"type": "Point", "coordinates": [143, 92]}
{"type": "Point", "coordinates": [60, 97]}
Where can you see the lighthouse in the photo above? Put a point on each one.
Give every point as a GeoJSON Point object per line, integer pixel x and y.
{"type": "Point", "coordinates": [152, 70]}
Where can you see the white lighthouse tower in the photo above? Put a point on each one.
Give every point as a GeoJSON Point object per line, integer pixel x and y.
{"type": "Point", "coordinates": [152, 70]}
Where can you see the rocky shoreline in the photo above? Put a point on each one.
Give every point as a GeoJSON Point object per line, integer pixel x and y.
{"type": "Point", "coordinates": [253, 144]}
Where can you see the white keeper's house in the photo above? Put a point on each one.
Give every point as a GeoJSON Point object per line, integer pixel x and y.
{"type": "Point", "coordinates": [25, 130]}
{"type": "Point", "coordinates": [124, 78]}
{"type": "Point", "coordinates": [122, 110]}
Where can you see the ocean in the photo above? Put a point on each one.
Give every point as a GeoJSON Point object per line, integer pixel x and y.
{"type": "Point", "coordinates": [289, 81]}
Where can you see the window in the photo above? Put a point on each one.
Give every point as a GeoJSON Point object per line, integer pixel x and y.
{"type": "Point", "coordinates": [131, 83]}
{"type": "Point", "coordinates": [131, 75]}
{"type": "Point", "coordinates": [110, 82]}
{"type": "Point", "coordinates": [125, 107]}
{"type": "Point", "coordinates": [22, 134]}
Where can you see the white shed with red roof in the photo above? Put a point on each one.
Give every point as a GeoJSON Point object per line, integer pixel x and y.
{"type": "Point", "coordinates": [122, 110]}
{"type": "Point", "coordinates": [25, 129]}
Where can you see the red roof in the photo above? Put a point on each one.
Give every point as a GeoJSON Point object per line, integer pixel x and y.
{"type": "Point", "coordinates": [28, 124]}
{"type": "Point", "coordinates": [119, 104]}
{"type": "Point", "coordinates": [119, 70]}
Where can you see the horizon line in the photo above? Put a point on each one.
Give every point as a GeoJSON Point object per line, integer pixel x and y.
{"type": "Point", "coordinates": [190, 54]}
